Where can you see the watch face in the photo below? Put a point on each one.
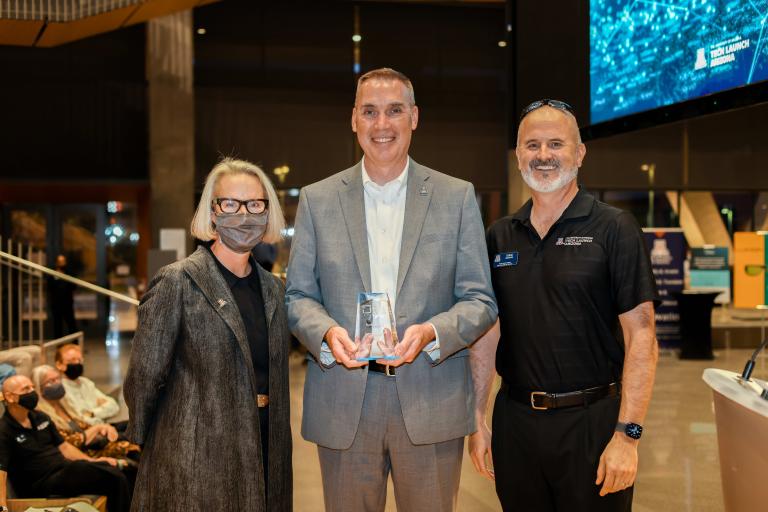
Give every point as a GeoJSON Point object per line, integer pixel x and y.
{"type": "Point", "coordinates": [634, 430]}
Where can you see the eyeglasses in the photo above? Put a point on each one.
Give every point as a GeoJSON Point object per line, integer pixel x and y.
{"type": "Point", "coordinates": [560, 105]}
{"type": "Point", "coordinates": [229, 205]}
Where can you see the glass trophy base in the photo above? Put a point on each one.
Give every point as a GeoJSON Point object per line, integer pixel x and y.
{"type": "Point", "coordinates": [388, 358]}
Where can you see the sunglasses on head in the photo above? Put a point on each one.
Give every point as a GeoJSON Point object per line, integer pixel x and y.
{"type": "Point", "coordinates": [560, 105]}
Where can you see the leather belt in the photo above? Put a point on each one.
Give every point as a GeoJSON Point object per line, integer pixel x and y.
{"type": "Point", "coordinates": [387, 370]}
{"type": "Point", "coordinates": [262, 400]}
{"type": "Point", "coordinates": [542, 400]}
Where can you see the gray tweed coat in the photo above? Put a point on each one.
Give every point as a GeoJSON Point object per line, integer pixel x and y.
{"type": "Point", "coordinates": [191, 393]}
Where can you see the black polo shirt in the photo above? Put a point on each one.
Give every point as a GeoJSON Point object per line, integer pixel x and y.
{"type": "Point", "coordinates": [30, 455]}
{"type": "Point", "coordinates": [559, 298]}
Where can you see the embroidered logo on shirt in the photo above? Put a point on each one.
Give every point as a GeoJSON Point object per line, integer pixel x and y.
{"type": "Point", "coordinates": [505, 259]}
{"type": "Point", "coordinates": [574, 240]}
{"type": "Point", "coordinates": [43, 425]}
{"type": "Point", "coordinates": [21, 438]}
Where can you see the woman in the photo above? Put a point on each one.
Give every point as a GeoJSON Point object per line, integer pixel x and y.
{"type": "Point", "coordinates": [94, 440]}
{"type": "Point", "coordinates": [207, 384]}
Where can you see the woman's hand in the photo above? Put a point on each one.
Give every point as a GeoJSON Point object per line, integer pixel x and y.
{"type": "Point", "coordinates": [92, 433]}
{"type": "Point", "coordinates": [110, 432]}
{"type": "Point", "coordinates": [109, 460]}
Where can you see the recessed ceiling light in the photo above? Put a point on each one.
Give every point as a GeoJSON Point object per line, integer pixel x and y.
{"type": "Point", "coordinates": [201, 31]}
{"type": "Point", "coordinates": [502, 44]}
{"type": "Point", "coordinates": [357, 38]}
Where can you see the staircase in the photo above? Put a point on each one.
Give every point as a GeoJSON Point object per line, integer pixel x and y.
{"type": "Point", "coordinates": [23, 298]}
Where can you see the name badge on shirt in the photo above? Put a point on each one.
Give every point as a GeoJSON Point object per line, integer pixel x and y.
{"type": "Point", "coordinates": [505, 259]}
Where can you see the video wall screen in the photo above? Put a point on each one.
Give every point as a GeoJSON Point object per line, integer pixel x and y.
{"type": "Point", "coordinates": [646, 54]}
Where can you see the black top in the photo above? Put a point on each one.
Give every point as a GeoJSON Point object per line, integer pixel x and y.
{"type": "Point", "coordinates": [247, 293]}
{"type": "Point", "coordinates": [61, 292]}
{"type": "Point", "coordinates": [559, 298]}
{"type": "Point", "coordinates": [29, 455]}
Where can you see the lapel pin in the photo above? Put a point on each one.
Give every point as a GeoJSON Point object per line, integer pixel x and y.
{"type": "Point", "coordinates": [423, 190]}
{"type": "Point", "coordinates": [221, 303]}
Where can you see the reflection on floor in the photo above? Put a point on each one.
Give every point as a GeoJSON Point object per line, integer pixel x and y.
{"type": "Point", "coordinates": [679, 468]}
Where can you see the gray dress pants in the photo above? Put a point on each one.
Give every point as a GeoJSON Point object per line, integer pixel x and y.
{"type": "Point", "coordinates": [425, 477]}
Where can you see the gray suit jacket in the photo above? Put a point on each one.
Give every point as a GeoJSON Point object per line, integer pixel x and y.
{"type": "Point", "coordinates": [443, 278]}
{"type": "Point", "coordinates": [191, 392]}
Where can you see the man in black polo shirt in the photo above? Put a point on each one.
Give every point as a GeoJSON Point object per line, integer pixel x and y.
{"type": "Point", "coordinates": [577, 349]}
{"type": "Point", "coordinates": [40, 463]}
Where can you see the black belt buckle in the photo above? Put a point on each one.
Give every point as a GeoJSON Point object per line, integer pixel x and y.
{"type": "Point", "coordinates": [533, 400]}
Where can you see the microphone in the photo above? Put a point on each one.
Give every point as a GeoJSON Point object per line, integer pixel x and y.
{"type": "Point", "coordinates": [750, 366]}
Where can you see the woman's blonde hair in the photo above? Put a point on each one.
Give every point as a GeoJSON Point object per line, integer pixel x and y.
{"type": "Point", "coordinates": [202, 226]}
{"type": "Point", "coordinates": [38, 374]}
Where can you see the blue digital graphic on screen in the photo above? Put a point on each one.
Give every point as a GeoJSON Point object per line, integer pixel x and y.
{"type": "Point", "coordinates": [646, 54]}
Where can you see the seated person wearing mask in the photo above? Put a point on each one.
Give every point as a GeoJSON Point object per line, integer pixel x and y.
{"type": "Point", "coordinates": [40, 463]}
{"type": "Point", "coordinates": [96, 440]}
{"type": "Point", "coordinates": [83, 397]}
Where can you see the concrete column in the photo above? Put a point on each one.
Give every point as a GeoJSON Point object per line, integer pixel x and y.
{"type": "Point", "coordinates": [171, 122]}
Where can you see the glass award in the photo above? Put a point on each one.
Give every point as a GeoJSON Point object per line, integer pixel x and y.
{"type": "Point", "coordinates": [375, 330]}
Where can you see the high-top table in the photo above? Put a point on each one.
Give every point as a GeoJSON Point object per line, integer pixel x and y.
{"type": "Point", "coordinates": [696, 323]}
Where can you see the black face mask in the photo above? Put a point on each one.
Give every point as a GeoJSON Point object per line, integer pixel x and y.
{"type": "Point", "coordinates": [54, 392]}
{"type": "Point", "coordinates": [73, 370]}
{"type": "Point", "coordinates": [28, 400]}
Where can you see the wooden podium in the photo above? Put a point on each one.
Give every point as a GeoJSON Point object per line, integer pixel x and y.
{"type": "Point", "coordinates": [742, 437]}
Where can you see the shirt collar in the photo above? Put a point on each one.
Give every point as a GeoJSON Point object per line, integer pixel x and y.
{"type": "Point", "coordinates": [397, 183]}
{"type": "Point", "coordinates": [35, 418]}
{"type": "Point", "coordinates": [580, 206]}
{"type": "Point", "coordinates": [230, 278]}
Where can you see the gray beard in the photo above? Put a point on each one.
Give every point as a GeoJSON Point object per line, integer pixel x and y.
{"type": "Point", "coordinates": [564, 177]}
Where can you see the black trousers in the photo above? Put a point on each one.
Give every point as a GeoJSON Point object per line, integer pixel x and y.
{"type": "Point", "coordinates": [546, 461]}
{"type": "Point", "coordinates": [83, 477]}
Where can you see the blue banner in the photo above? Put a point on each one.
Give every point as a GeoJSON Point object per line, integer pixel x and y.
{"type": "Point", "coordinates": [666, 248]}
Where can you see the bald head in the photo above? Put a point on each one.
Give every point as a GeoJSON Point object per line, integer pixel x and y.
{"type": "Point", "coordinates": [549, 150]}
{"type": "Point", "coordinates": [554, 119]}
{"type": "Point", "coordinates": [14, 386]}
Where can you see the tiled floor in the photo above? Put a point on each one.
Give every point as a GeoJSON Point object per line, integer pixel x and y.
{"type": "Point", "coordinates": [679, 468]}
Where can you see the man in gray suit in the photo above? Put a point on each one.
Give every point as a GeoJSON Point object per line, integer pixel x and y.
{"type": "Point", "coordinates": [389, 225]}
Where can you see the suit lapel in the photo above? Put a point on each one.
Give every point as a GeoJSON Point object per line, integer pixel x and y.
{"type": "Point", "coordinates": [208, 278]}
{"type": "Point", "coordinates": [268, 294]}
{"type": "Point", "coordinates": [417, 199]}
{"type": "Point", "coordinates": [353, 208]}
